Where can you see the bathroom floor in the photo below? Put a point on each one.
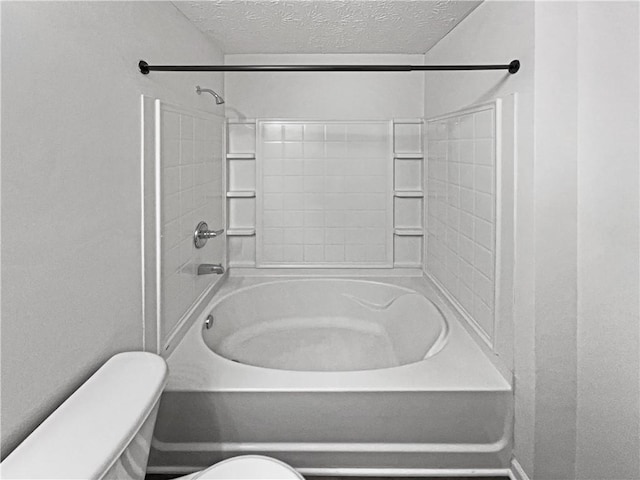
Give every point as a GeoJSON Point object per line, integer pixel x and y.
{"type": "Point", "coordinates": [155, 476]}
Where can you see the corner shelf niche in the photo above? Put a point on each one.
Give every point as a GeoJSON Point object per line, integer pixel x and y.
{"type": "Point", "coordinates": [241, 192]}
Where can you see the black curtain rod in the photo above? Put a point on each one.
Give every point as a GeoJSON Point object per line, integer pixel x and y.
{"type": "Point", "coordinates": [145, 68]}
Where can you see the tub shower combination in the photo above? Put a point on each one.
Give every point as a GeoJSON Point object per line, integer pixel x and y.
{"type": "Point", "coordinates": [333, 376]}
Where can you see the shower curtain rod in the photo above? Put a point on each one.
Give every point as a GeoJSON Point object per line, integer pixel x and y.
{"type": "Point", "coordinates": [145, 68]}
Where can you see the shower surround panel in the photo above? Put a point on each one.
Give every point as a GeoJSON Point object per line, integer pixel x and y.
{"type": "Point", "coordinates": [324, 194]}
{"type": "Point", "coordinates": [461, 210]}
{"type": "Point", "coordinates": [191, 185]}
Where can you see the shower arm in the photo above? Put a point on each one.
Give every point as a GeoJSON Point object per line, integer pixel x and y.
{"type": "Point", "coordinates": [219, 99]}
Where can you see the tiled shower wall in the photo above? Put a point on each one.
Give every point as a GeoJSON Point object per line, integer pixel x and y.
{"type": "Point", "coordinates": [191, 186]}
{"type": "Point", "coordinates": [461, 184]}
{"type": "Point", "coordinates": [325, 194]}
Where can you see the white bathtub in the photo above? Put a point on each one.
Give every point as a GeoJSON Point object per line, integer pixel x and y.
{"type": "Point", "coordinates": [335, 377]}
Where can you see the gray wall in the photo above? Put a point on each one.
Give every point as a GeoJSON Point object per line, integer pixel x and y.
{"type": "Point", "coordinates": [576, 337]}
{"type": "Point", "coordinates": [72, 293]}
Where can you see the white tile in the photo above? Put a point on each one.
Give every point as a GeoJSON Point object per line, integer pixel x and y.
{"type": "Point", "coordinates": [170, 152]}
{"type": "Point", "coordinates": [483, 315]}
{"type": "Point", "coordinates": [292, 253]}
{"type": "Point", "coordinates": [466, 200]}
{"type": "Point", "coordinates": [334, 253]}
{"type": "Point", "coordinates": [466, 175]}
{"type": "Point", "coordinates": [484, 152]}
{"type": "Point", "coordinates": [313, 133]}
{"type": "Point", "coordinates": [483, 233]}
{"type": "Point", "coordinates": [466, 224]}
{"type": "Point", "coordinates": [186, 152]}
{"type": "Point", "coordinates": [335, 149]}
{"type": "Point", "coordinates": [313, 184]}
{"type": "Point", "coordinates": [483, 261]}
{"type": "Point", "coordinates": [466, 151]}
{"type": "Point", "coordinates": [466, 247]}
{"type": "Point", "coordinates": [483, 287]}
{"type": "Point", "coordinates": [292, 167]}
{"type": "Point", "coordinates": [186, 127]}
{"type": "Point", "coordinates": [292, 184]}
{"type": "Point", "coordinates": [334, 236]}
{"type": "Point", "coordinates": [313, 150]}
{"type": "Point", "coordinates": [292, 150]}
{"type": "Point", "coordinates": [334, 218]}
{"type": "Point", "coordinates": [272, 218]}
{"type": "Point", "coordinates": [336, 132]}
{"type": "Point", "coordinates": [314, 219]}
{"type": "Point", "coordinates": [273, 236]}
{"type": "Point", "coordinates": [273, 184]}
{"type": "Point", "coordinates": [484, 206]}
{"type": "Point", "coordinates": [313, 201]}
{"type": "Point", "coordinates": [334, 184]}
{"type": "Point", "coordinates": [270, 166]}
{"type": "Point", "coordinates": [272, 253]}
{"type": "Point", "coordinates": [293, 218]}
{"type": "Point", "coordinates": [466, 126]}
{"type": "Point", "coordinates": [465, 273]}
{"type": "Point", "coordinates": [293, 201]}
{"type": "Point", "coordinates": [484, 124]}
{"type": "Point", "coordinates": [313, 236]}
{"type": "Point", "coordinates": [170, 180]}
{"type": "Point", "coordinates": [293, 132]}
{"type": "Point", "coordinates": [483, 179]}
{"type": "Point", "coordinates": [313, 167]}
{"type": "Point", "coordinates": [293, 235]}
{"type": "Point", "coordinates": [272, 132]}
{"type": "Point", "coordinates": [272, 201]}
{"type": "Point", "coordinates": [313, 253]}
{"type": "Point", "coordinates": [272, 150]}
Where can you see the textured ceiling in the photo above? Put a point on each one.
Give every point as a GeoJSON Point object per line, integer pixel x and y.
{"type": "Point", "coordinates": [328, 26]}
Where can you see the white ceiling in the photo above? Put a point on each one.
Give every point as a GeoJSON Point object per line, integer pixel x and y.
{"type": "Point", "coordinates": [326, 26]}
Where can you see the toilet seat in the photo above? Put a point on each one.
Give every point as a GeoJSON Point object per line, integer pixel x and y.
{"type": "Point", "coordinates": [247, 467]}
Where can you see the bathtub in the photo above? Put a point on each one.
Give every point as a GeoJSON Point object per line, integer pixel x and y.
{"type": "Point", "coordinates": [334, 377]}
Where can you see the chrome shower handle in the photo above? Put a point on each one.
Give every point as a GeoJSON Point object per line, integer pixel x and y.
{"type": "Point", "coordinates": [202, 234]}
{"type": "Point", "coordinates": [211, 233]}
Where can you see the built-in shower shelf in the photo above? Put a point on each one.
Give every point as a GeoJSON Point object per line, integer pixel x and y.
{"type": "Point", "coordinates": [241, 232]}
{"type": "Point", "coordinates": [242, 194]}
{"type": "Point", "coordinates": [408, 232]}
{"type": "Point", "coordinates": [409, 156]}
{"type": "Point", "coordinates": [241, 156]}
{"type": "Point", "coordinates": [408, 193]}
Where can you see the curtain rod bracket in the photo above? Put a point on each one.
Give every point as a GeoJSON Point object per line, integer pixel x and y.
{"type": "Point", "coordinates": [144, 67]}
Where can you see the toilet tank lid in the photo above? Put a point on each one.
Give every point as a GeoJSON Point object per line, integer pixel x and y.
{"type": "Point", "coordinates": [89, 431]}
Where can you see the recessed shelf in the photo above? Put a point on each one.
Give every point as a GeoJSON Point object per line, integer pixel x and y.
{"type": "Point", "coordinates": [409, 156]}
{"type": "Point", "coordinates": [241, 232]}
{"type": "Point", "coordinates": [408, 193]}
{"type": "Point", "coordinates": [241, 194]}
{"type": "Point", "coordinates": [241, 156]}
{"type": "Point", "coordinates": [408, 232]}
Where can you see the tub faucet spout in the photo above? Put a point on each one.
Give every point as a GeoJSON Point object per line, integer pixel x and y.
{"type": "Point", "coordinates": [209, 268]}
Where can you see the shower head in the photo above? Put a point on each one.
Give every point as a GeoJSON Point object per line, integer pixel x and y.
{"type": "Point", "coordinates": [219, 99]}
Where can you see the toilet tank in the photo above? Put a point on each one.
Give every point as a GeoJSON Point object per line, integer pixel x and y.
{"type": "Point", "coordinates": [102, 431]}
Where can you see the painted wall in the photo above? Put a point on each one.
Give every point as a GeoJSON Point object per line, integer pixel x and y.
{"type": "Point", "coordinates": [328, 96]}
{"type": "Point", "coordinates": [608, 330]}
{"type": "Point", "coordinates": [71, 175]}
{"type": "Point", "coordinates": [497, 32]}
{"type": "Point", "coordinates": [576, 340]}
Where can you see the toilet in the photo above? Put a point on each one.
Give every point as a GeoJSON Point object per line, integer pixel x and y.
{"type": "Point", "coordinates": [104, 430]}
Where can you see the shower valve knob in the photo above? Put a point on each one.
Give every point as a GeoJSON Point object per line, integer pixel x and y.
{"type": "Point", "coordinates": [202, 234]}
